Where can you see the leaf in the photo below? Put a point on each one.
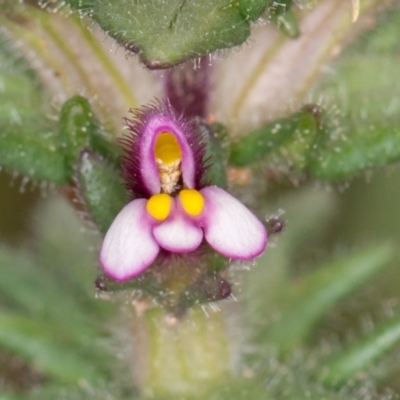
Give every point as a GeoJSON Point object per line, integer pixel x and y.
{"type": "Point", "coordinates": [258, 144]}
{"type": "Point", "coordinates": [28, 289]}
{"type": "Point", "coordinates": [76, 124]}
{"type": "Point", "coordinates": [322, 289]}
{"type": "Point", "coordinates": [101, 189]}
{"type": "Point", "coordinates": [39, 344]}
{"type": "Point", "coordinates": [79, 130]}
{"type": "Point", "coordinates": [283, 17]}
{"type": "Point", "coordinates": [32, 151]}
{"type": "Point", "coordinates": [28, 139]}
{"type": "Point", "coordinates": [266, 286]}
{"type": "Point", "coordinates": [54, 285]}
{"type": "Point", "coordinates": [364, 109]}
{"type": "Point", "coordinates": [360, 356]}
{"type": "Point", "coordinates": [166, 33]}
{"type": "Point", "coordinates": [216, 156]}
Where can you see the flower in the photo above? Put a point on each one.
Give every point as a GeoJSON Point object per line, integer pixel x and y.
{"type": "Point", "coordinates": [172, 208]}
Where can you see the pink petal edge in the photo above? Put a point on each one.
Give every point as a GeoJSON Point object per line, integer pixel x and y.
{"type": "Point", "coordinates": [230, 227]}
{"type": "Point", "coordinates": [129, 247]}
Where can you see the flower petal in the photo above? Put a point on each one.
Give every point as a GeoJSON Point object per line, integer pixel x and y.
{"type": "Point", "coordinates": [165, 123]}
{"type": "Point", "coordinates": [129, 247]}
{"type": "Point", "coordinates": [140, 167]}
{"type": "Point", "coordinates": [229, 227]}
{"type": "Point", "coordinates": [178, 234]}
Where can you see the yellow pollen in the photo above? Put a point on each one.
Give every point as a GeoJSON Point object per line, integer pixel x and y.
{"type": "Point", "coordinates": [159, 206]}
{"type": "Point", "coordinates": [192, 201]}
{"type": "Point", "coordinates": [167, 148]}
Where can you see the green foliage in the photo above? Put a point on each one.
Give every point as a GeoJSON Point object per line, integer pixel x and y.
{"type": "Point", "coordinates": [286, 132]}
{"type": "Point", "coordinates": [40, 344]}
{"type": "Point", "coordinates": [101, 189]}
{"type": "Point", "coordinates": [30, 143]}
{"type": "Point", "coordinates": [28, 140]}
{"type": "Point", "coordinates": [75, 126]}
{"type": "Point", "coordinates": [217, 150]}
{"type": "Point", "coordinates": [50, 317]}
{"type": "Point", "coordinates": [365, 132]}
{"type": "Point", "coordinates": [314, 295]}
{"type": "Point", "coordinates": [360, 356]}
{"type": "Point", "coordinates": [282, 16]}
{"type": "Point", "coordinates": [288, 311]}
{"type": "Point", "coordinates": [165, 33]}
{"type": "Point", "coordinates": [79, 130]}
{"type": "Point", "coordinates": [80, 4]}
{"type": "Point", "coordinates": [357, 128]}
{"type": "Point", "coordinates": [251, 9]}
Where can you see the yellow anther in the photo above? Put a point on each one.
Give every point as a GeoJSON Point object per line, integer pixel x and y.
{"type": "Point", "coordinates": [192, 201]}
{"type": "Point", "coordinates": [167, 148]}
{"type": "Point", "coordinates": [159, 206]}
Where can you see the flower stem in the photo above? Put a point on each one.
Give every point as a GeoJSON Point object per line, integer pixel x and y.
{"type": "Point", "coordinates": [179, 357]}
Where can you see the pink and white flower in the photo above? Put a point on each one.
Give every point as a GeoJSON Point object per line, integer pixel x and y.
{"type": "Point", "coordinates": [173, 208]}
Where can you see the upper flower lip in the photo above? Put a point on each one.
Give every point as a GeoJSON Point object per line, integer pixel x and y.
{"type": "Point", "coordinates": [155, 126]}
{"type": "Point", "coordinates": [139, 164]}
{"type": "Point", "coordinates": [172, 208]}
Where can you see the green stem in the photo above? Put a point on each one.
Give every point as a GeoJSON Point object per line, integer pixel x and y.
{"type": "Point", "coordinates": [179, 357]}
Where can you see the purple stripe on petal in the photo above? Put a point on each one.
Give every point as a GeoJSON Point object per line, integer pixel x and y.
{"type": "Point", "coordinates": [230, 227]}
{"type": "Point", "coordinates": [178, 233]}
{"type": "Point", "coordinates": [129, 247]}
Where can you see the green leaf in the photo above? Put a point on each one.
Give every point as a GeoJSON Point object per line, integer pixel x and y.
{"type": "Point", "coordinates": [217, 151]}
{"type": "Point", "coordinates": [72, 276]}
{"type": "Point", "coordinates": [287, 23]}
{"type": "Point", "coordinates": [369, 148]}
{"type": "Point", "coordinates": [360, 356]}
{"type": "Point", "coordinates": [28, 288]}
{"type": "Point", "coordinates": [101, 189]}
{"type": "Point", "coordinates": [75, 126]}
{"type": "Point", "coordinates": [251, 9]}
{"type": "Point", "coordinates": [54, 284]}
{"type": "Point", "coordinates": [79, 130]}
{"type": "Point", "coordinates": [83, 5]}
{"type": "Point", "coordinates": [166, 33]}
{"type": "Point", "coordinates": [258, 144]}
{"type": "Point", "coordinates": [100, 390]}
{"type": "Point", "coordinates": [283, 17]}
{"type": "Point", "coordinates": [28, 139]}
{"type": "Point", "coordinates": [364, 111]}
{"type": "Point", "coordinates": [38, 343]}
{"type": "Point", "coordinates": [322, 289]}
{"type": "Point", "coordinates": [32, 150]}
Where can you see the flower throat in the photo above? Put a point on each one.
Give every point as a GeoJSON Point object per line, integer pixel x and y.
{"type": "Point", "coordinates": [168, 157]}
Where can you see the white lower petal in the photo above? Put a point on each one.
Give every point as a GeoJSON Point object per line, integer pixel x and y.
{"type": "Point", "coordinates": [231, 228]}
{"type": "Point", "coordinates": [178, 234]}
{"type": "Point", "coordinates": [129, 247]}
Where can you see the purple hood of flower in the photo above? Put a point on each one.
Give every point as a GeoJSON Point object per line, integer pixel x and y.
{"type": "Point", "coordinates": [139, 166]}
